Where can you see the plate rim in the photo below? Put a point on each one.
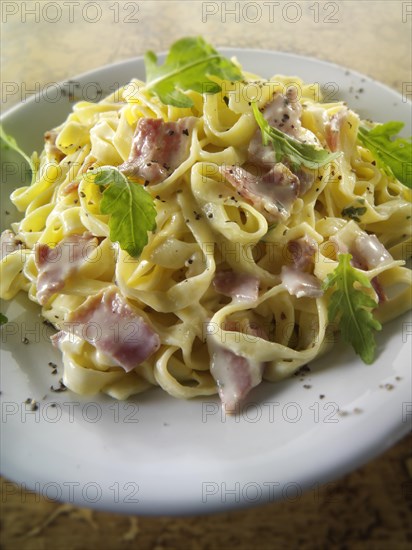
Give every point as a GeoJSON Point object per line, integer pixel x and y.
{"type": "Point", "coordinates": [224, 50]}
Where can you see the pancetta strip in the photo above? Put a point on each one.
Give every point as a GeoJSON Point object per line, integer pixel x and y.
{"type": "Point", "coordinates": [302, 252]}
{"type": "Point", "coordinates": [284, 113]}
{"type": "Point", "coordinates": [272, 193]}
{"type": "Point", "coordinates": [235, 376]}
{"type": "Point", "coordinates": [158, 148]}
{"type": "Point", "coordinates": [333, 128]}
{"type": "Point", "coordinates": [109, 323]}
{"type": "Point", "coordinates": [366, 249]}
{"type": "Point", "coordinates": [56, 265]}
{"type": "Point", "coordinates": [297, 277]}
{"type": "Point", "coordinates": [300, 284]}
{"type": "Point", "coordinates": [237, 285]}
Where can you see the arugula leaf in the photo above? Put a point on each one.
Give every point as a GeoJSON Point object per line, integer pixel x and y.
{"type": "Point", "coordinates": [131, 209]}
{"type": "Point", "coordinates": [3, 319]}
{"type": "Point", "coordinates": [188, 64]}
{"type": "Point", "coordinates": [352, 307]}
{"type": "Point", "coordinates": [394, 156]}
{"type": "Point", "coordinates": [286, 146]}
{"type": "Point", "coordinates": [10, 143]}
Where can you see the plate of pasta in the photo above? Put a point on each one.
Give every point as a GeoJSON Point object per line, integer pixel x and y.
{"type": "Point", "coordinates": [205, 296]}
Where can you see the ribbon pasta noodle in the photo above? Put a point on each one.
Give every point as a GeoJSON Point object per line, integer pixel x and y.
{"type": "Point", "coordinates": [209, 222]}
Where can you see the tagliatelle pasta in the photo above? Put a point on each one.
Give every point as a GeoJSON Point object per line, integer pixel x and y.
{"type": "Point", "coordinates": [229, 289]}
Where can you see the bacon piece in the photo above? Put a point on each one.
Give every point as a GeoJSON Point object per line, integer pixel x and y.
{"type": "Point", "coordinates": [264, 157]}
{"type": "Point", "coordinates": [272, 194]}
{"type": "Point", "coordinates": [237, 285]}
{"type": "Point", "coordinates": [274, 190]}
{"type": "Point", "coordinates": [284, 113]}
{"type": "Point", "coordinates": [369, 251]}
{"type": "Point", "coordinates": [259, 154]}
{"type": "Point", "coordinates": [51, 147]}
{"type": "Point", "coordinates": [378, 288]}
{"type": "Point", "coordinates": [297, 278]}
{"type": "Point", "coordinates": [366, 249]}
{"type": "Point", "coordinates": [9, 243]}
{"type": "Point", "coordinates": [56, 265]}
{"type": "Point", "coordinates": [300, 283]}
{"type": "Point", "coordinates": [333, 128]}
{"type": "Point", "coordinates": [246, 327]}
{"type": "Point", "coordinates": [70, 187]}
{"type": "Point", "coordinates": [235, 375]}
{"type": "Point", "coordinates": [158, 148]}
{"type": "Point", "coordinates": [302, 252]}
{"type": "Point", "coordinates": [108, 322]}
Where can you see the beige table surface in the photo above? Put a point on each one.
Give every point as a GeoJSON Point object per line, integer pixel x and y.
{"type": "Point", "coordinates": [45, 42]}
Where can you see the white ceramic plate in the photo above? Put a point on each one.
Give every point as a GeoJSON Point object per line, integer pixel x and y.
{"type": "Point", "coordinates": [158, 455]}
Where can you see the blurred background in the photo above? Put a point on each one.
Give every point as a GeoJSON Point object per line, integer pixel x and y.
{"type": "Point", "coordinates": [45, 42]}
